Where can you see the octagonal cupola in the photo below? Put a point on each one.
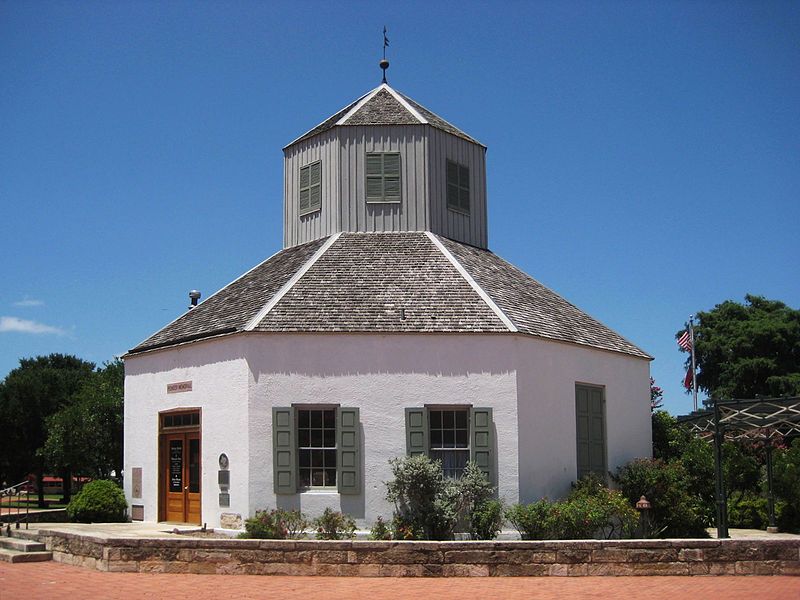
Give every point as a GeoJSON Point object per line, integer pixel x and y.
{"type": "Point", "coordinates": [385, 163]}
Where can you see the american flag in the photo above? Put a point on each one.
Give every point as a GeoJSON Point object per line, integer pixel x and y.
{"type": "Point", "coordinates": [685, 341]}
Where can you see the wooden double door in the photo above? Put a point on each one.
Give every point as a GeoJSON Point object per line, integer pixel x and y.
{"type": "Point", "coordinates": [180, 477]}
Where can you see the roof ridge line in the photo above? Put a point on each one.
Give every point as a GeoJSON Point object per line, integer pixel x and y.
{"type": "Point", "coordinates": [414, 112]}
{"type": "Point", "coordinates": [290, 284]}
{"type": "Point", "coordinates": [183, 314]}
{"type": "Point", "coordinates": [359, 103]}
{"type": "Point", "coordinates": [473, 284]}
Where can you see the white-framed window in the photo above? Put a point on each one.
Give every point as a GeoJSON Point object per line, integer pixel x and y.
{"type": "Point", "coordinates": [449, 439]}
{"type": "Point", "coordinates": [383, 177]}
{"type": "Point", "coordinates": [457, 187]}
{"type": "Point", "coordinates": [316, 440]}
{"type": "Point", "coordinates": [310, 187]}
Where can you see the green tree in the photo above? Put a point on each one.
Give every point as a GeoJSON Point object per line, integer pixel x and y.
{"type": "Point", "coordinates": [29, 394]}
{"type": "Point", "coordinates": [85, 437]}
{"type": "Point", "coordinates": [746, 350]}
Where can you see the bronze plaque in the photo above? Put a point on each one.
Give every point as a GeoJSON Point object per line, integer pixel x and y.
{"type": "Point", "coordinates": [136, 482]}
{"type": "Point", "coordinates": [137, 512]}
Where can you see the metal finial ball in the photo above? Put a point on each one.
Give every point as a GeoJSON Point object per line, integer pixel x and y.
{"type": "Point", "coordinates": [384, 64]}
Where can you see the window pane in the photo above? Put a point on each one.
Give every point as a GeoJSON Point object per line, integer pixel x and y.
{"type": "Point", "coordinates": [462, 438]}
{"type": "Point", "coordinates": [330, 477]}
{"type": "Point", "coordinates": [316, 458]}
{"type": "Point", "coordinates": [330, 419]}
{"type": "Point", "coordinates": [436, 419]}
{"type": "Point", "coordinates": [316, 418]}
{"type": "Point", "coordinates": [330, 438]}
{"type": "Point", "coordinates": [448, 419]}
{"type": "Point", "coordinates": [448, 438]}
{"type": "Point", "coordinates": [436, 438]}
{"type": "Point", "coordinates": [305, 478]}
{"type": "Point", "coordinates": [330, 459]}
{"type": "Point", "coordinates": [317, 477]}
{"type": "Point", "coordinates": [302, 418]}
{"type": "Point", "coordinates": [305, 458]}
{"type": "Point", "coordinates": [461, 419]}
{"type": "Point", "coordinates": [303, 438]}
{"type": "Point", "coordinates": [316, 438]}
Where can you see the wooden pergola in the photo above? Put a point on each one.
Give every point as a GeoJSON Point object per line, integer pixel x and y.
{"type": "Point", "coordinates": [762, 419]}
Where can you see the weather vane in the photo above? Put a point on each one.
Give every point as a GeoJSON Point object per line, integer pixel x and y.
{"type": "Point", "coordinates": [384, 64]}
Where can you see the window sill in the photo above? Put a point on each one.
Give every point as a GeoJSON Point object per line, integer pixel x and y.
{"type": "Point", "coordinates": [319, 492]}
{"type": "Point", "coordinates": [370, 201]}
{"type": "Point", "coordinates": [310, 212]}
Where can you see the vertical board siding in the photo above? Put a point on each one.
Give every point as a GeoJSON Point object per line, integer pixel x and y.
{"type": "Point", "coordinates": [407, 215]}
{"type": "Point", "coordinates": [299, 229]}
{"type": "Point", "coordinates": [424, 152]}
{"type": "Point", "coordinates": [472, 228]}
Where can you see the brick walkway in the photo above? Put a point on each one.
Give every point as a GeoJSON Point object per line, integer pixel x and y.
{"type": "Point", "coordinates": [53, 580]}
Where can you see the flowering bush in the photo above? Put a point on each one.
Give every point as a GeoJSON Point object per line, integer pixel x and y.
{"type": "Point", "coordinates": [276, 524]}
{"type": "Point", "coordinates": [333, 525]}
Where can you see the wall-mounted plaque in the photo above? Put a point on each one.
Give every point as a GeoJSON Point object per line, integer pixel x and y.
{"type": "Point", "coordinates": [136, 482]}
{"type": "Point", "coordinates": [137, 512]}
{"type": "Point", "coordinates": [180, 386]}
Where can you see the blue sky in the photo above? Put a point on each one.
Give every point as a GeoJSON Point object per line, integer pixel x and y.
{"type": "Point", "coordinates": [644, 157]}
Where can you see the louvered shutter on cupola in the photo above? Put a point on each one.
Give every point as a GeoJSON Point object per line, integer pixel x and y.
{"type": "Point", "coordinates": [304, 191]}
{"type": "Point", "coordinates": [482, 442]}
{"type": "Point", "coordinates": [348, 450]}
{"type": "Point", "coordinates": [284, 451]}
{"type": "Point", "coordinates": [375, 176]}
{"type": "Point", "coordinates": [391, 176]}
{"type": "Point", "coordinates": [315, 183]}
{"type": "Point", "coordinates": [416, 431]}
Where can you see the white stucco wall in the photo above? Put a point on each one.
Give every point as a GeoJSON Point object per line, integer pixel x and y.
{"type": "Point", "coordinates": [381, 375]}
{"type": "Point", "coordinates": [546, 374]}
{"type": "Point", "coordinates": [529, 383]}
{"type": "Point", "coordinates": [218, 372]}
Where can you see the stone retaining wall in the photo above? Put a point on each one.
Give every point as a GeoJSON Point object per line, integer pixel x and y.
{"type": "Point", "coordinates": [427, 559]}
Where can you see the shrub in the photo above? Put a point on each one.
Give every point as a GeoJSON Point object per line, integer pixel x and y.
{"type": "Point", "coordinates": [787, 486]}
{"type": "Point", "coordinates": [333, 525]}
{"type": "Point", "coordinates": [275, 524]}
{"type": "Point", "coordinates": [590, 510]}
{"type": "Point", "coordinates": [430, 506]}
{"type": "Point", "coordinates": [486, 520]}
{"type": "Point", "coordinates": [749, 512]}
{"type": "Point", "coordinates": [675, 511]}
{"type": "Point", "coordinates": [99, 501]}
{"type": "Point", "coordinates": [533, 520]}
{"type": "Point", "coordinates": [380, 530]}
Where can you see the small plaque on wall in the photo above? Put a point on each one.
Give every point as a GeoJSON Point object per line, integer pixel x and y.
{"type": "Point", "coordinates": [224, 500]}
{"type": "Point", "coordinates": [181, 386]}
{"type": "Point", "coordinates": [137, 512]}
{"type": "Point", "coordinates": [136, 482]}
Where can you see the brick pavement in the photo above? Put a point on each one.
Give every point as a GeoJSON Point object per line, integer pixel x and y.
{"type": "Point", "coordinates": [52, 580]}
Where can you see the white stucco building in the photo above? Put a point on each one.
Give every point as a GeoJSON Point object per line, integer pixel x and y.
{"type": "Point", "coordinates": [384, 327]}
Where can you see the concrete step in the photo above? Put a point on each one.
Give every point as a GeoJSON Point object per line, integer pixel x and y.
{"type": "Point", "coordinates": [21, 545]}
{"type": "Point", "coordinates": [15, 556]}
{"type": "Point", "coordinates": [25, 534]}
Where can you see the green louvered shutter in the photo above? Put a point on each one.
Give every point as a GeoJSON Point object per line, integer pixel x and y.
{"type": "Point", "coordinates": [348, 451]}
{"type": "Point", "coordinates": [416, 431]}
{"type": "Point", "coordinates": [482, 447]}
{"type": "Point", "coordinates": [284, 452]}
{"type": "Point", "coordinates": [590, 430]}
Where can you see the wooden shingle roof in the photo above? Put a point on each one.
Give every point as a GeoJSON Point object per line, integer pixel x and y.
{"type": "Point", "coordinates": [384, 106]}
{"type": "Point", "coordinates": [410, 282]}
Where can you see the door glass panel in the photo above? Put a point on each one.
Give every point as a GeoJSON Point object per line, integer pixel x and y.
{"type": "Point", "coordinates": [176, 465]}
{"type": "Point", "coordinates": [194, 466]}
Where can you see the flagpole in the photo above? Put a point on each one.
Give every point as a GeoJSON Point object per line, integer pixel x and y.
{"type": "Point", "coordinates": [694, 368]}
